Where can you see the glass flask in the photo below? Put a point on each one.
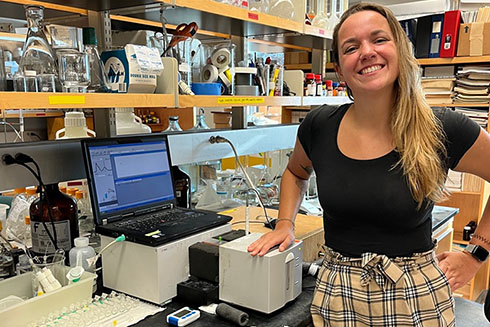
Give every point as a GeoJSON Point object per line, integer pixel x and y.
{"type": "Point", "coordinates": [200, 121]}
{"type": "Point", "coordinates": [37, 54]}
{"type": "Point", "coordinates": [97, 74]}
{"type": "Point", "coordinates": [173, 124]}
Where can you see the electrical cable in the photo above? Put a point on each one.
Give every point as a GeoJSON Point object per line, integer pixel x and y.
{"type": "Point", "coordinates": [220, 139]}
{"type": "Point", "coordinates": [22, 160]}
{"type": "Point", "coordinates": [12, 126]}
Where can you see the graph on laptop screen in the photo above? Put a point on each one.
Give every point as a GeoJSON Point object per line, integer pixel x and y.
{"type": "Point", "coordinates": [131, 175]}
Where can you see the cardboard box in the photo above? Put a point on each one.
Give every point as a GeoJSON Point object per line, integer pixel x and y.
{"type": "Point", "coordinates": [133, 69]}
{"type": "Point", "coordinates": [474, 39]}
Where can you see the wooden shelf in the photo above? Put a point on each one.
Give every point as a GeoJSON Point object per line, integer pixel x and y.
{"type": "Point", "coordinates": [236, 101]}
{"type": "Point", "coordinates": [50, 5]}
{"type": "Point", "coordinates": [12, 37]}
{"type": "Point", "coordinates": [298, 66]}
{"type": "Point", "coordinates": [32, 114]}
{"type": "Point", "coordinates": [227, 10]}
{"type": "Point", "coordinates": [329, 65]}
{"type": "Point", "coordinates": [316, 31]}
{"type": "Point", "coordinates": [33, 100]}
{"type": "Point", "coordinates": [452, 61]}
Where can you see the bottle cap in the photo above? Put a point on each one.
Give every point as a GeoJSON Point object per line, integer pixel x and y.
{"type": "Point", "coordinates": [75, 119]}
{"type": "Point", "coordinates": [318, 76]}
{"type": "Point", "coordinates": [27, 220]}
{"type": "Point", "coordinates": [310, 75]}
{"type": "Point", "coordinates": [173, 118]}
{"type": "Point", "coordinates": [81, 242]}
{"type": "Point", "coordinates": [89, 36]}
{"type": "Point", "coordinates": [31, 191]}
{"type": "Point", "coordinates": [328, 82]}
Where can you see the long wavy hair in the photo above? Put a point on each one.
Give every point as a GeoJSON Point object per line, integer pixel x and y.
{"type": "Point", "coordinates": [417, 133]}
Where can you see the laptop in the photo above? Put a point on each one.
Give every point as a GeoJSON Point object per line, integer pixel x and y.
{"type": "Point", "coordinates": [132, 193]}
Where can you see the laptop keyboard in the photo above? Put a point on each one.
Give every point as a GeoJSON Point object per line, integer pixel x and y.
{"type": "Point", "coordinates": [153, 221]}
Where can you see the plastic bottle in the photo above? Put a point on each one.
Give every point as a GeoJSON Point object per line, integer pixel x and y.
{"type": "Point", "coordinates": [27, 234]}
{"type": "Point", "coordinates": [15, 226]}
{"type": "Point", "coordinates": [85, 217]}
{"type": "Point", "coordinates": [329, 88]}
{"type": "Point", "coordinates": [128, 123]}
{"type": "Point", "coordinates": [75, 126]}
{"type": "Point", "coordinates": [81, 252]}
{"type": "Point", "coordinates": [64, 215]}
{"type": "Point", "coordinates": [173, 124]}
{"type": "Point", "coordinates": [98, 76]}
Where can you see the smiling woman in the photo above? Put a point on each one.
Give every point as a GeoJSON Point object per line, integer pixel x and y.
{"type": "Point", "coordinates": [380, 165]}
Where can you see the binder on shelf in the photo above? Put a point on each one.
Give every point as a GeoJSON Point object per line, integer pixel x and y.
{"type": "Point", "coordinates": [436, 35]}
{"type": "Point", "coordinates": [410, 28]}
{"type": "Point", "coordinates": [422, 37]}
{"type": "Point", "coordinates": [450, 31]}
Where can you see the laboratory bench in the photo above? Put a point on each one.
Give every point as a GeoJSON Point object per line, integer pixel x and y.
{"type": "Point", "coordinates": [310, 230]}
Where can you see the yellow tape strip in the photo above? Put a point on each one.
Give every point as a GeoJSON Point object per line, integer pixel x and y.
{"type": "Point", "coordinates": [153, 233]}
{"type": "Point", "coordinates": [66, 99]}
{"type": "Point", "coordinates": [240, 100]}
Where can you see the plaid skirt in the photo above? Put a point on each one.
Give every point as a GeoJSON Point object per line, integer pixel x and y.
{"type": "Point", "coordinates": [375, 290]}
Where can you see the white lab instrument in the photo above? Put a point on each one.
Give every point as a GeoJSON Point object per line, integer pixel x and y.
{"type": "Point", "coordinates": [263, 283]}
{"type": "Point", "coordinates": [147, 272]}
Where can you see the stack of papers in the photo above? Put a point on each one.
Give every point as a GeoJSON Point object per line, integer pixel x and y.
{"type": "Point", "coordinates": [472, 84]}
{"type": "Point", "coordinates": [479, 115]}
{"type": "Point", "coordinates": [438, 90]}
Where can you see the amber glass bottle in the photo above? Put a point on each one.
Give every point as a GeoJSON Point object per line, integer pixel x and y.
{"type": "Point", "coordinates": [65, 218]}
{"type": "Point", "coordinates": [182, 186]}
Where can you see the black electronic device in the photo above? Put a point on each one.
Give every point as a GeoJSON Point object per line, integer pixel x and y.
{"type": "Point", "coordinates": [477, 251]}
{"type": "Point", "coordinates": [132, 193]}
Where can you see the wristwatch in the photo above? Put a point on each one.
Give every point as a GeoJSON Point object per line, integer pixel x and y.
{"type": "Point", "coordinates": [478, 252]}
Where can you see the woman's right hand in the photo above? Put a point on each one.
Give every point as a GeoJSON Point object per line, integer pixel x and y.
{"type": "Point", "coordinates": [282, 235]}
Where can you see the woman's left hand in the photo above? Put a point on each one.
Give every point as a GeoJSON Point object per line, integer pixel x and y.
{"type": "Point", "coordinates": [459, 267]}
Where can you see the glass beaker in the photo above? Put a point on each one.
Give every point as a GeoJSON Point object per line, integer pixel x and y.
{"type": "Point", "coordinates": [46, 83]}
{"type": "Point", "coordinates": [37, 54]}
{"type": "Point", "coordinates": [74, 76]}
{"type": "Point", "coordinates": [55, 263]}
{"type": "Point", "coordinates": [25, 82]}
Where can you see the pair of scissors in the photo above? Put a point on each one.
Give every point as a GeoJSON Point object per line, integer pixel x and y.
{"type": "Point", "coordinates": [182, 32]}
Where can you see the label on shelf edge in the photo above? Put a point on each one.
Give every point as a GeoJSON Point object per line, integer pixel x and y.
{"type": "Point", "coordinates": [66, 99]}
{"type": "Point", "coordinates": [240, 100]}
{"type": "Point", "coordinates": [253, 16]}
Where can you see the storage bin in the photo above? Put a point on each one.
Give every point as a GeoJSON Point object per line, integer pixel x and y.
{"type": "Point", "coordinates": [31, 310]}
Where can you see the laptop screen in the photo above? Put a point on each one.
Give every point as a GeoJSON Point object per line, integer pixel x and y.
{"type": "Point", "coordinates": [130, 174]}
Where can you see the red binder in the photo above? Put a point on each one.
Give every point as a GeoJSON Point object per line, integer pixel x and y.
{"type": "Point", "coordinates": [450, 32]}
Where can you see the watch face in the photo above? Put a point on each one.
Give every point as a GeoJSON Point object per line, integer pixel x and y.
{"type": "Point", "coordinates": [478, 252]}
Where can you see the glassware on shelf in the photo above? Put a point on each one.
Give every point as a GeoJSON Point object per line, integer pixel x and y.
{"type": "Point", "coordinates": [200, 121]}
{"type": "Point", "coordinates": [26, 81]}
{"type": "Point", "coordinates": [173, 124]}
{"type": "Point", "coordinates": [259, 5]}
{"type": "Point", "coordinates": [98, 80]}
{"type": "Point", "coordinates": [321, 19]}
{"type": "Point", "coordinates": [282, 8]}
{"type": "Point", "coordinates": [37, 56]}
{"type": "Point", "coordinates": [74, 75]}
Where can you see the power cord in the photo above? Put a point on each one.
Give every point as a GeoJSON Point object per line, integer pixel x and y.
{"type": "Point", "coordinates": [220, 139]}
{"type": "Point", "coordinates": [22, 160]}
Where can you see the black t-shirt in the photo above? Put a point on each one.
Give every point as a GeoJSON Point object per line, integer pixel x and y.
{"type": "Point", "coordinates": [367, 204]}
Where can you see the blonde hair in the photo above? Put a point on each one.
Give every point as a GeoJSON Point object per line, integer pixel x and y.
{"type": "Point", "coordinates": [417, 133]}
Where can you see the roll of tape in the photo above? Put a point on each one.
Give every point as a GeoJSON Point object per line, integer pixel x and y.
{"type": "Point", "coordinates": [223, 69]}
{"type": "Point", "coordinates": [221, 57]}
{"type": "Point", "coordinates": [224, 79]}
{"type": "Point", "coordinates": [209, 74]}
